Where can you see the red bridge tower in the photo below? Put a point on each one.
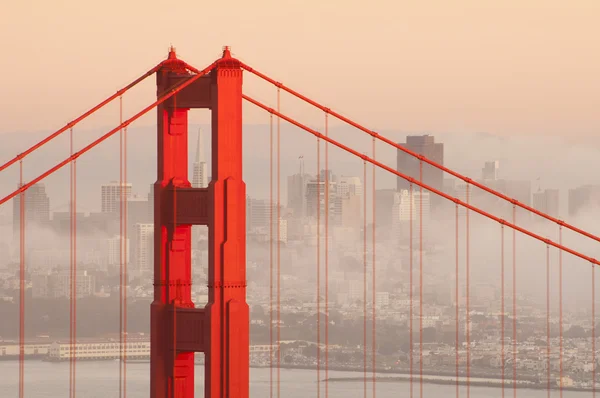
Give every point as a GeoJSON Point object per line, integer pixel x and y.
{"type": "Point", "coordinates": [221, 329]}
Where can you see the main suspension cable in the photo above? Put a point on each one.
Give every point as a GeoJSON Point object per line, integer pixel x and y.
{"type": "Point", "coordinates": [71, 124]}
{"type": "Point", "coordinates": [416, 155]}
{"type": "Point", "coordinates": [177, 88]}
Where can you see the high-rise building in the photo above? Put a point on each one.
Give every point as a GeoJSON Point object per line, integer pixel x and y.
{"type": "Point", "coordinates": [144, 247]}
{"type": "Point", "coordinates": [490, 171]}
{"type": "Point", "coordinates": [200, 170]}
{"type": "Point", "coordinates": [415, 209]}
{"type": "Point", "coordinates": [115, 249]}
{"type": "Point", "coordinates": [582, 197]}
{"type": "Point", "coordinates": [111, 196]}
{"type": "Point", "coordinates": [348, 200]}
{"type": "Point", "coordinates": [384, 202]}
{"type": "Point", "coordinates": [37, 208]}
{"type": "Point", "coordinates": [296, 198]}
{"type": "Point", "coordinates": [547, 201]}
{"type": "Point", "coordinates": [406, 164]}
{"type": "Point", "coordinates": [315, 195]}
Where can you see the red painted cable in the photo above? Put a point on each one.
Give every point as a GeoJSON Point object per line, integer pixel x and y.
{"type": "Point", "coordinates": [318, 203]}
{"type": "Point", "coordinates": [271, 255]}
{"type": "Point", "coordinates": [125, 265]}
{"type": "Point", "coordinates": [326, 261]}
{"type": "Point", "coordinates": [514, 298]}
{"type": "Point", "coordinates": [593, 332]}
{"type": "Point", "coordinates": [401, 175]}
{"type": "Point", "coordinates": [374, 336]}
{"type": "Point", "coordinates": [80, 118]}
{"type": "Point", "coordinates": [456, 297]}
{"type": "Point", "coordinates": [410, 288]}
{"type": "Point", "coordinates": [278, 248]}
{"type": "Point", "coordinates": [415, 155]}
{"type": "Point", "coordinates": [74, 297]}
{"type": "Point", "coordinates": [502, 320]}
{"type": "Point", "coordinates": [365, 278]}
{"type": "Point", "coordinates": [421, 281]}
{"type": "Point", "coordinates": [71, 272]}
{"type": "Point", "coordinates": [468, 298]}
{"type": "Point", "coordinates": [560, 314]}
{"type": "Point", "coordinates": [170, 93]}
{"type": "Point", "coordinates": [548, 317]}
{"type": "Point", "coordinates": [122, 245]}
{"type": "Point", "coordinates": [22, 226]}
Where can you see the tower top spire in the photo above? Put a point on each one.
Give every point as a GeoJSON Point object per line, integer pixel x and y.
{"type": "Point", "coordinates": [226, 52]}
{"type": "Point", "coordinates": [172, 53]}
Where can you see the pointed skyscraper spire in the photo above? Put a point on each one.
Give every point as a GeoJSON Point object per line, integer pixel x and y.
{"type": "Point", "coordinates": [200, 177]}
{"type": "Point", "coordinates": [199, 148]}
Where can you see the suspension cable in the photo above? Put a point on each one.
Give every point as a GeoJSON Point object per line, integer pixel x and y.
{"type": "Point", "coordinates": [125, 264]}
{"type": "Point", "coordinates": [80, 118]}
{"type": "Point", "coordinates": [502, 309]}
{"type": "Point", "coordinates": [365, 315]}
{"type": "Point", "coordinates": [514, 302]}
{"type": "Point", "coordinates": [468, 294]}
{"type": "Point", "coordinates": [171, 92]}
{"type": "Point", "coordinates": [548, 318]}
{"type": "Point", "coordinates": [318, 205]}
{"type": "Point", "coordinates": [593, 332]}
{"type": "Point", "coordinates": [22, 225]}
{"type": "Point", "coordinates": [122, 245]}
{"type": "Point", "coordinates": [456, 298]}
{"type": "Point", "coordinates": [326, 260]}
{"type": "Point", "coordinates": [73, 278]}
{"type": "Point", "coordinates": [410, 277]}
{"type": "Point", "coordinates": [416, 155]}
{"type": "Point", "coordinates": [278, 247]}
{"type": "Point", "coordinates": [271, 255]}
{"type": "Point", "coordinates": [374, 334]}
{"type": "Point", "coordinates": [421, 281]}
{"type": "Point", "coordinates": [560, 313]}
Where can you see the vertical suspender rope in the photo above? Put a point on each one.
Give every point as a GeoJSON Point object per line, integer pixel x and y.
{"type": "Point", "coordinates": [468, 294]}
{"type": "Point", "coordinates": [548, 319]}
{"type": "Point", "coordinates": [278, 246]}
{"type": "Point", "coordinates": [421, 281]}
{"type": "Point", "coordinates": [365, 314]}
{"type": "Point", "coordinates": [326, 260]}
{"type": "Point", "coordinates": [125, 264]}
{"type": "Point", "coordinates": [514, 294]}
{"type": "Point", "coordinates": [318, 204]}
{"type": "Point", "coordinates": [593, 331]}
{"type": "Point", "coordinates": [374, 336]}
{"type": "Point", "coordinates": [71, 272]}
{"type": "Point", "coordinates": [271, 255]}
{"type": "Point", "coordinates": [22, 225]}
{"type": "Point", "coordinates": [503, 317]}
{"type": "Point", "coordinates": [121, 247]}
{"type": "Point", "coordinates": [410, 294]}
{"type": "Point", "coordinates": [456, 299]}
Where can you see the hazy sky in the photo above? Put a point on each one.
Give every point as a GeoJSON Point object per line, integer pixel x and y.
{"type": "Point", "coordinates": [506, 67]}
